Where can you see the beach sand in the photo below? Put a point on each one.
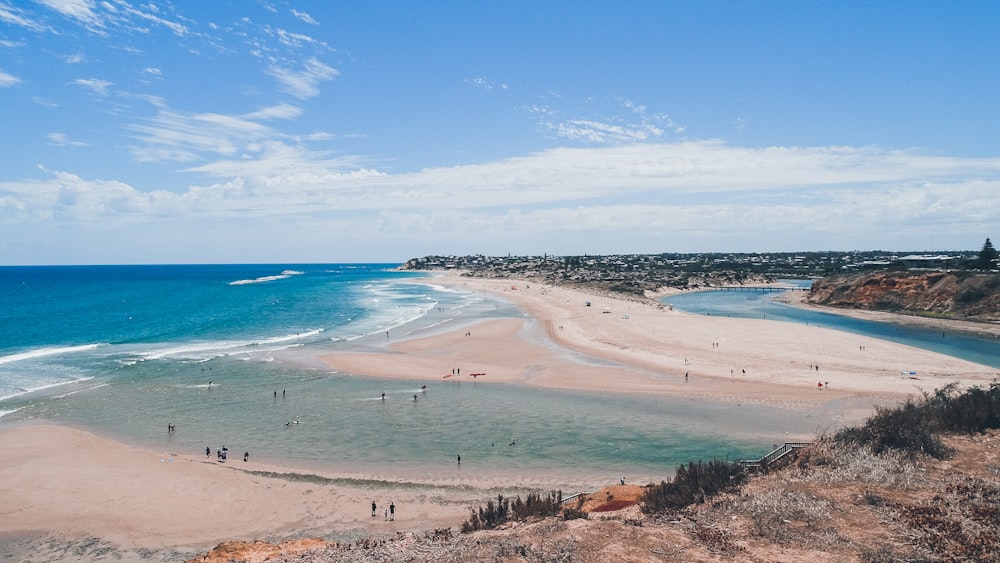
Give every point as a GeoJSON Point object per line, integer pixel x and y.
{"type": "Point", "coordinates": [70, 495]}
{"type": "Point", "coordinates": [649, 348]}
{"type": "Point", "coordinates": [73, 496]}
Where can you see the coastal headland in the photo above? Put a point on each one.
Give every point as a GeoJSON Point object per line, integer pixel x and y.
{"type": "Point", "coordinates": [71, 495]}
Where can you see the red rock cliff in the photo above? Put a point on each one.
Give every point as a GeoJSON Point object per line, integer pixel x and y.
{"type": "Point", "coordinates": [958, 295]}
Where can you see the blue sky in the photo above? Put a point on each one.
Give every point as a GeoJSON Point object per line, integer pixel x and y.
{"type": "Point", "coordinates": [268, 131]}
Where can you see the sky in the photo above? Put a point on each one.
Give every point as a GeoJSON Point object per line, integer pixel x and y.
{"type": "Point", "coordinates": [265, 131]}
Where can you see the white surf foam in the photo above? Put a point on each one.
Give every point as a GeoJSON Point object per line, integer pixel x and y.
{"type": "Point", "coordinates": [48, 351]}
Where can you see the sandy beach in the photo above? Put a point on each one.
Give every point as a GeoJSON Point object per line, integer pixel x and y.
{"type": "Point", "coordinates": [73, 496]}
{"type": "Point", "coordinates": [62, 486]}
{"type": "Point", "coordinates": [650, 349]}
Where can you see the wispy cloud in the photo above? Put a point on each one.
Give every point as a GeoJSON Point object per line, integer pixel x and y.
{"type": "Point", "coordinates": [597, 132]}
{"type": "Point", "coordinates": [80, 10]}
{"type": "Point", "coordinates": [95, 85]}
{"type": "Point", "coordinates": [279, 111]}
{"type": "Point", "coordinates": [629, 122]}
{"type": "Point", "coordinates": [8, 80]}
{"type": "Point", "coordinates": [485, 84]}
{"type": "Point", "coordinates": [15, 16]}
{"type": "Point", "coordinates": [303, 83]}
{"type": "Point", "coordinates": [304, 17]}
{"type": "Point", "coordinates": [63, 140]}
{"type": "Point", "coordinates": [199, 137]}
{"type": "Point", "coordinates": [189, 137]}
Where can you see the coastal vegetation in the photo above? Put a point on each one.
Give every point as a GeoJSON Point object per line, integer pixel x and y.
{"type": "Point", "coordinates": [863, 494]}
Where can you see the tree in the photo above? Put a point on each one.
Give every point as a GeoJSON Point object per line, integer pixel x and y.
{"type": "Point", "coordinates": [987, 256]}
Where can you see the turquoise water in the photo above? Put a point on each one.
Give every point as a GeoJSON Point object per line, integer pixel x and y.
{"type": "Point", "coordinates": [748, 304]}
{"type": "Point", "coordinates": [126, 350]}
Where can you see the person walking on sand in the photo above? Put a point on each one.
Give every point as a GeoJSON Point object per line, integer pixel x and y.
{"type": "Point", "coordinates": [392, 511]}
{"type": "Point", "coordinates": [460, 459]}
{"type": "Point", "coordinates": [374, 508]}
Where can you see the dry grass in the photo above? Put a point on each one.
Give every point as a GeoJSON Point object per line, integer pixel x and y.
{"type": "Point", "coordinates": [834, 504]}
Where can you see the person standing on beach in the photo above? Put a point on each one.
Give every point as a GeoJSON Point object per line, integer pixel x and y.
{"type": "Point", "coordinates": [460, 459]}
{"type": "Point", "coordinates": [208, 451]}
{"type": "Point", "coordinates": [246, 456]}
{"type": "Point", "coordinates": [392, 510]}
{"type": "Point", "coordinates": [374, 508]}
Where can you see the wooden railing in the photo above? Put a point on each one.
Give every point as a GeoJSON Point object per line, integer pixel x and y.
{"type": "Point", "coordinates": [774, 456]}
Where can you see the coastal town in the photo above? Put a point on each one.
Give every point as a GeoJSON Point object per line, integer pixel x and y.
{"type": "Point", "coordinates": [637, 274]}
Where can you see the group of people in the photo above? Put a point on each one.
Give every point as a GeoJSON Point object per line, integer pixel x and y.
{"type": "Point", "coordinates": [390, 513]}
{"type": "Point", "coordinates": [223, 453]}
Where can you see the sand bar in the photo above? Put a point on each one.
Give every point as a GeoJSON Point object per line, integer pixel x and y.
{"type": "Point", "coordinates": [650, 349]}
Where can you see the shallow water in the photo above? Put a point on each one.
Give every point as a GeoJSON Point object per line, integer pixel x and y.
{"type": "Point", "coordinates": [757, 305]}
{"type": "Point", "coordinates": [125, 351]}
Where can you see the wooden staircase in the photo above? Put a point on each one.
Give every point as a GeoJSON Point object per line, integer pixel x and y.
{"type": "Point", "coordinates": [763, 463]}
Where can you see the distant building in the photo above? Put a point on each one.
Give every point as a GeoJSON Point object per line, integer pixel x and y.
{"type": "Point", "coordinates": [926, 261]}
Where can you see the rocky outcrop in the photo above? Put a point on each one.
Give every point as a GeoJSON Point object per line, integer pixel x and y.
{"type": "Point", "coordinates": [954, 295]}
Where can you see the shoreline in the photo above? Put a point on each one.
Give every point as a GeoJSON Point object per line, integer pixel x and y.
{"type": "Point", "coordinates": [652, 347]}
{"type": "Point", "coordinates": [954, 325]}
{"type": "Point", "coordinates": [65, 486]}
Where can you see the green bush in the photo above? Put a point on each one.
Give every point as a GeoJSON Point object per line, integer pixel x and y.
{"type": "Point", "coordinates": [914, 427]}
{"type": "Point", "coordinates": [692, 484]}
{"type": "Point", "coordinates": [495, 514]}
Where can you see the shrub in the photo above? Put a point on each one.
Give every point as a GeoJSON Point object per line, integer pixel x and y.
{"type": "Point", "coordinates": [914, 426]}
{"type": "Point", "coordinates": [692, 484]}
{"type": "Point", "coordinates": [495, 514]}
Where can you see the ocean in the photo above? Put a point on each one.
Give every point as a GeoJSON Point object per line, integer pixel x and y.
{"type": "Point", "coordinates": [227, 355]}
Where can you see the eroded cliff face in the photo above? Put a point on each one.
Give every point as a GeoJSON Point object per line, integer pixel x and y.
{"type": "Point", "coordinates": [958, 295]}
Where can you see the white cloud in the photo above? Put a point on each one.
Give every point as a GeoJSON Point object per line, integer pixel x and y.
{"type": "Point", "coordinates": [303, 83]}
{"type": "Point", "coordinates": [8, 80]}
{"type": "Point", "coordinates": [480, 82]}
{"type": "Point", "coordinates": [94, 84]}
{"type": "Point", "coordinates": [75, 58]}
{"type": "Point", "coordinates": [80, 10]}
{"type": "Point", "coordinates": [634, 198]}
{"type": "Point", "coordinates": [63, 140]}
{"type": "Point", "coordinates": [304, 17]}
{"type": "Point", "coordinates": [279, 111]}
{"type": "Point", "coordinates": [596, 132]}
{"type": "Point", "coordinates": [189, 137]}
{"type": "Point", "coordinates": [15, 16]}
{"type": "Point", "coordinates": [636, 125]}
{"type": "Point", "coordinates": [179, 29]}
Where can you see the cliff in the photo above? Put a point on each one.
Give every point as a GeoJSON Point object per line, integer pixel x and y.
{"type": "Point", "coordinates": [952, 295]}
